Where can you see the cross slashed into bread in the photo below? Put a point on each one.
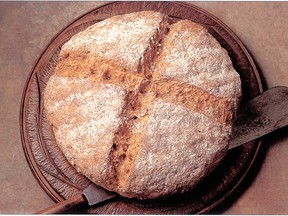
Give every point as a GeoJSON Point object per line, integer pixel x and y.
{"type": "Point", "coordinates": [143, 107]}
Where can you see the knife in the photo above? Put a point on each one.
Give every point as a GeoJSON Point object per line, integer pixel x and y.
{"type": "Point", "coordinates": [258, 117]}
{"type": "Point", "coordinates": [91, 195]}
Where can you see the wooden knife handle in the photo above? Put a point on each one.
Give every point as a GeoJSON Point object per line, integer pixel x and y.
{"type": "Point", "coordinates": [63, 205]}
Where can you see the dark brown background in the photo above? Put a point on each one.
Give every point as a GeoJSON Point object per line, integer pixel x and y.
{"type": "Point", "coordinates": [27, 27]}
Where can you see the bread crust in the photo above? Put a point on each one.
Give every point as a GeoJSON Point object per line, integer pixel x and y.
{"type": "Point", "coordinates": [134, 118]}
{"type": "Point", "coordinates": [121, 39]}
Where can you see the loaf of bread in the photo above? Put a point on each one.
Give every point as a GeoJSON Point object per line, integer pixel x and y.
{"type": "Point", "coordinates": [143, 107]}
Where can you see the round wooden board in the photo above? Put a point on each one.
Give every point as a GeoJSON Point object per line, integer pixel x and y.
{"type": "Point", "coordinates": [61, 181]}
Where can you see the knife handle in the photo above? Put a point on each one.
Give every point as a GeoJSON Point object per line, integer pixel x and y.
{"type": "Point", "coordinates": [63, 205]}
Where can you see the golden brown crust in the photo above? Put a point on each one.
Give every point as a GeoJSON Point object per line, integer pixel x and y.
{"type": "Point", "coordinates": [139, 130]}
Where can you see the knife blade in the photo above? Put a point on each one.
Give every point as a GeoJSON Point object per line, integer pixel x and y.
{"type": "Point", "coordinates": [102, 195]}
{"type": "Point", "coordinates": [258, 117]}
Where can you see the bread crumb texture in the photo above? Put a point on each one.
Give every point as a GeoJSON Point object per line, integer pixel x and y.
{"type": "Point", "coordinates": [143, 107]}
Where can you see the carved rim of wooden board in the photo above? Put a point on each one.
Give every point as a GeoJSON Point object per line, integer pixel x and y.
{"type": "Point", "coordinates": [61, 181]}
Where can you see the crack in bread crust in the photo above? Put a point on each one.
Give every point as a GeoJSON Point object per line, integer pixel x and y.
{"type": "Point", "coordinates": [138, 104]}
{"type": "Point", "coordinates": [184, 94]}
{"type": "Point", "coordinates": [129, 136]}
{"type": "Point", "coordinates": [194, 98]}
{"type": "Point", "coordinates": [121, 140]}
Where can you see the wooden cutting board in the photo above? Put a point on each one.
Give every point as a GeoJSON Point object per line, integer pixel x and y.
{"type": "Point", "coordinates": [61, 181]}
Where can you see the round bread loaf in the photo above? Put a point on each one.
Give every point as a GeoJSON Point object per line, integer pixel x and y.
{"type": "Point", "coordinates": [143, 107]}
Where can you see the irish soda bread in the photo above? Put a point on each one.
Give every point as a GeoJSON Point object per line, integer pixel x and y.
{"type": "Point", "coordinates": [143, 107]}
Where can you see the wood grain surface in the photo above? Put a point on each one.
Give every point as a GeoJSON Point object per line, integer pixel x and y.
{"type": "Point", "coordinates": [61, 181]}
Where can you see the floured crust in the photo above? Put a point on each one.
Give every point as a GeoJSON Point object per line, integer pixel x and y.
{"type": "Point", "coordinates": [121, 39]}
{"type": "Point", "coordinates": [193, 56]}
{"type": "Point", "coordinates": [187, 146]}
{"type": "Point", "coordinates": [84, 114]}
{"type": "Point", "coordinates": [137, 118]}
